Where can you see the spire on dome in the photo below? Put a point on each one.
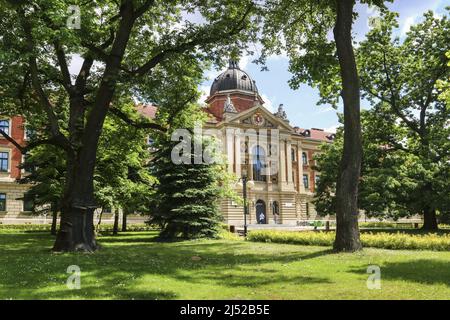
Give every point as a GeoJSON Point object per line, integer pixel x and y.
{"type": "Point", "coordinates": [233, 64]}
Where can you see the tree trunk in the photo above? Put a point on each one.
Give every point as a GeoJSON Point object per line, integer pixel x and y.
{"type": "Point", "coordinates": [116, 222]}
{"type": "Point", "coordinates": [54, 209]}
{"type": "Point", "coordinates": [124, 220]}
{"type": "Point", "coordinates": [100, 219]}
{"type": "Point", "coordinates": [429, 220]}
{"type": "Point", "coordinates": [76, 231]}
{"type": "Point", "coordinates": [347, 232]}
{"type": "Point", "coordinates": [77, 212]}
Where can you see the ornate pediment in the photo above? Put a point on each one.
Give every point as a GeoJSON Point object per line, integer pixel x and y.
{"type": "Point", "coordinates": [259, 120]}
{"type": "Point", "coordinates": [259, 117]}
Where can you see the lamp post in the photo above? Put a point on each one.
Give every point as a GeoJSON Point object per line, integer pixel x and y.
{"type": "Point", "coordinates": [244, 194]}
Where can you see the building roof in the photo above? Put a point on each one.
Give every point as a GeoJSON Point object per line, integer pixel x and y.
{"type": "Point", "coordinates": [315, 134]}
{"type": "Point", "coordinates": [147, 110]}
{"type": "Point", "coordinates": [233, 79]}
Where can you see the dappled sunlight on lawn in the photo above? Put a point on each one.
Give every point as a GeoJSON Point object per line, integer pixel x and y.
{"type": "Point", "coordinates": [135, 266]}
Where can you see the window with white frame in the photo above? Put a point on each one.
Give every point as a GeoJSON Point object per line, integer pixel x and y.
{"type": "Point", "coordinates": [4, 125]}
{"type": "Point", "coordinates": [304, 158]}
{"type": "Point", "coordinates": [306, 181]}
{"type": "Point", "coordinates": [316, 180]}
{"type": "Point", "coordinates": [4, 161]}
{"type": "Point", "coordinates": [2, 201]}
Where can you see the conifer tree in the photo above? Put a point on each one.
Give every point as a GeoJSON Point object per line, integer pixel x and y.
{"type": "Point", "coordinates": [186, 199]}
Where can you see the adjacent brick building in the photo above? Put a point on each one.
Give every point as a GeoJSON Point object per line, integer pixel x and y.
{"type": "Point", "coordinates": [12, 201]}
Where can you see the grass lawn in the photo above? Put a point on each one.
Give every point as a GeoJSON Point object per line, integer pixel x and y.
{"type": "Point", "coordinates": [132, 266]}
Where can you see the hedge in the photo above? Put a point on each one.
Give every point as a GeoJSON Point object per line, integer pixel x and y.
{"type": "Point", "coordinates": [46, 227]}
{"type": "Point", "coordinates": [375, 240]}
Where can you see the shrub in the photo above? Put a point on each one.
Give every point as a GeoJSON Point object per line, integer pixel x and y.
{"type": "Point", "coordinates": [386, 225]}
{"type": "Point", "coordinates": [46, 227]}
{"type": "Point", "coordinates": [375, 240]}
{"type": "Point", "coordinates": [25, 227]}
{"type": "Point", "coordinates": [227, 235]}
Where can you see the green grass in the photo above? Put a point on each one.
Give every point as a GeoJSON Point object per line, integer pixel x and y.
{"type": "Point", "coordinates": [132, 266]}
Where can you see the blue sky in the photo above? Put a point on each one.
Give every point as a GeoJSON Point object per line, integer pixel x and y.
{"type": "Point", "coordinates": [300, 105]}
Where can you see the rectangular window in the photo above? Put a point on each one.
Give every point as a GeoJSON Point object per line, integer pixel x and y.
{"type": "Point", "coordinates": [4, 161]}
{"type": "Point", "coordinates": [2, 201]}
{"type": "Point", "coordinates": [27, 167]}
{"type": "Point", "coordinates": [4, 125]}
{"type": "Point", "coordinates": [306, 181]}
{"type": "Point", "coordinates": [316, 180]}
{"type": "Point", "coordinates": [28, 133]}
{"type": "Point", "coordinates": [304, 159]}
{"type": "Point", "coordinates": [28, 203]}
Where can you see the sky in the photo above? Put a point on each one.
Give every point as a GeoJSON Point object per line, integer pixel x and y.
{"type": "Point", "coordinates": [301, 104]}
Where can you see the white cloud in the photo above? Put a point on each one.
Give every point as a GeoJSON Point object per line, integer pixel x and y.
{"type": "Point", "coordinates": [243, 62]}
{"type": "Point", "coordinates": [75, 64]}
{"type": "Point", "coordinates": [205, 94]}
{"type": "Point", "coordinates": [325, 110]}
{"type": "Point", "coordinates": [409, 21]}
{"type": "Point", "coordinates": [268, 103]}
{"type": "Point", "coordinates": [332, 129]}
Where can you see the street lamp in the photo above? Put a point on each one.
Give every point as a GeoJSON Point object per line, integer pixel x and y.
{"type": "Point", "coordinates": [244, 194]}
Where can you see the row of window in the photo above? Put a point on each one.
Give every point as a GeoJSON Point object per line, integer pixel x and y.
{"type": "Point", "coordinates": [28, 203]}
{"type": "Point", "coordinates": [5, 126]}
{"type": "Point", "coordinates": [4, 162]}
{"type": "Point", "coordinates": [304, 156]}
{"type": "Point", "coordinates": [306, 180]}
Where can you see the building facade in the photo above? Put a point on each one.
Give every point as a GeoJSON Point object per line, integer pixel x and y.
{"type": "Point", "coordinates": [12, 200]}
{"type": "Point", "coordinates": [276, 158]}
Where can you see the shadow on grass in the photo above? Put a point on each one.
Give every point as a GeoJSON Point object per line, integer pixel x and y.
{"type": "Point", "coordinates": [423, 271]}
{"type": "Point", "coordinates": [133, 266]}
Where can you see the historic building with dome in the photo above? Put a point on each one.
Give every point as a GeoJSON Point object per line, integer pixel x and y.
{"type": "Point", "coordinates": [276, 157]}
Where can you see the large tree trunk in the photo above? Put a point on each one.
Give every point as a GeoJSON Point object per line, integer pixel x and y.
{"type": "Point", "coordinates": [429, 219]}
{"type": "Point", "coordinates": [347, 232]}
{"type": "Point", "coordinates": [76, 231]}
{"type": "Point", "coordinates": [54, 208]}
{"type": "Point", "coordinates": [77, 212]}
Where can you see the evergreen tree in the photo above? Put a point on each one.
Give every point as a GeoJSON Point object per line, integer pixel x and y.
{"type": "Point", "coordinates": [186, 199]}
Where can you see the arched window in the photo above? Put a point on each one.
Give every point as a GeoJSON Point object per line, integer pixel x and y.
{"type": "Point", "coordinates": [259, 164]}
{"type": "Point", "coordinates": [305, 158]}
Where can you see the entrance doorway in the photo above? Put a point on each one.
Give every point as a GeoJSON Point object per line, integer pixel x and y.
{"type": "Point", "coordinates": [261, 215]}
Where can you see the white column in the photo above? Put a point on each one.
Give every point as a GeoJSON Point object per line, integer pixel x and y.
{"type": "Point", "coordinates": [282, 166]}
{"type": "Point", "coordinates": [300, 166]}
{"type": "Point", "coordinates": [289, 162]}
{"type": "Point", "coordinates": [229, 141]}
{"type": "Point", "coordinates": [237, 148]}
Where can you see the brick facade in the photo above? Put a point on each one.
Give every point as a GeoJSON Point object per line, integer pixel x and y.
{"type": "Point", "coordinates": [8, 180]}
